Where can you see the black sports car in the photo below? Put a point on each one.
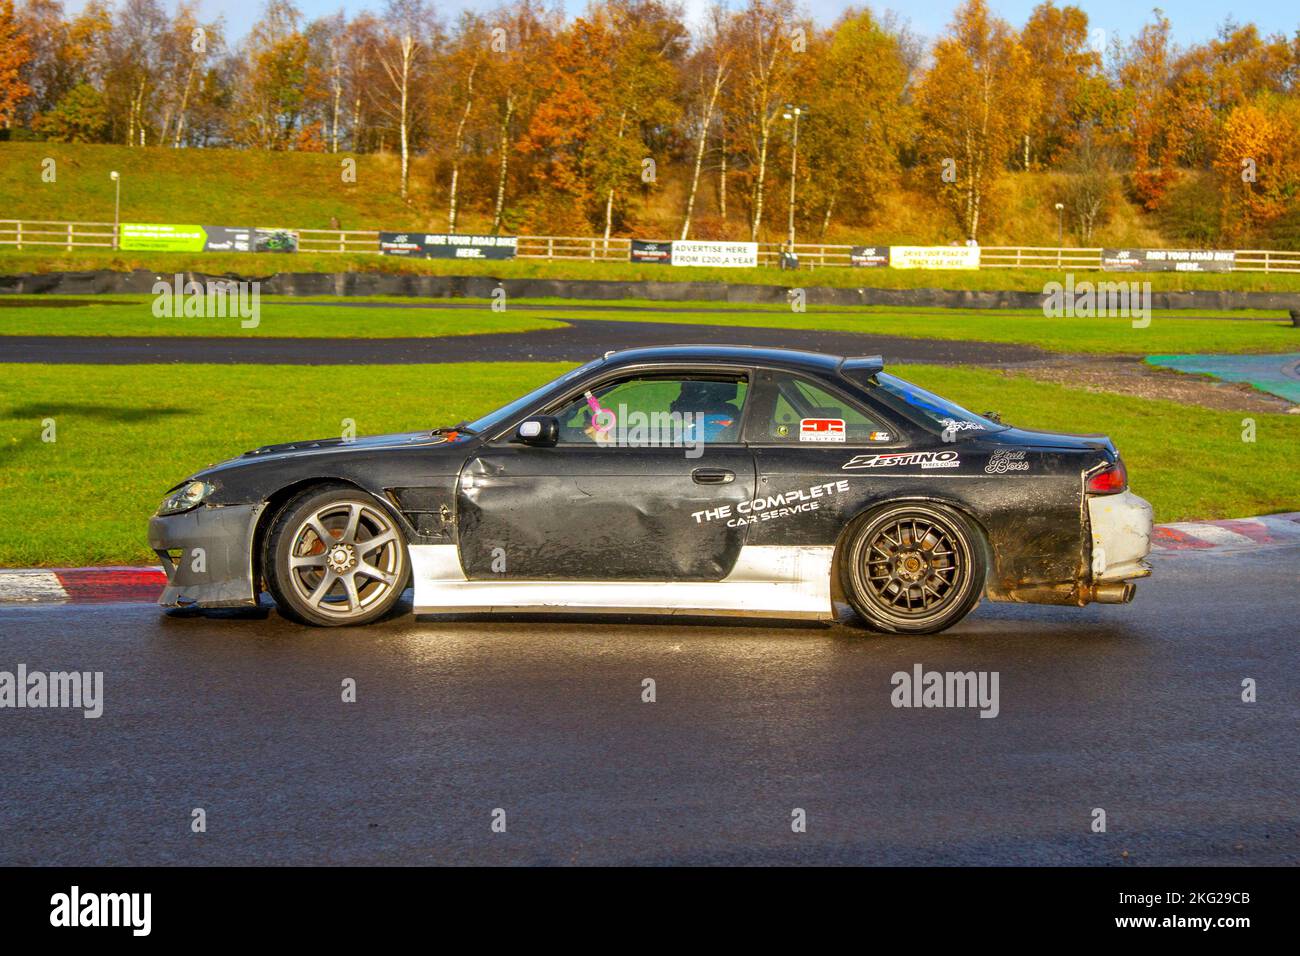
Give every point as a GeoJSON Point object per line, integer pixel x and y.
{"type": "Point", "coordinates": [686, 480]}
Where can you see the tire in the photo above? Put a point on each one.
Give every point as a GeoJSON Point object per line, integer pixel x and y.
{"type": "Point", "coordinates": [348, 581]}
{"type": "Point", "coordinates": [914, 568]}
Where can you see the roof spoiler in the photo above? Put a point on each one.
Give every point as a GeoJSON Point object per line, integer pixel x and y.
{"type": "Point", "coordinates": [862, 363]}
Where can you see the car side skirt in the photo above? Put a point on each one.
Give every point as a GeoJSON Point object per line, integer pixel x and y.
{"type": "Point", "coordinates": [766, 581]}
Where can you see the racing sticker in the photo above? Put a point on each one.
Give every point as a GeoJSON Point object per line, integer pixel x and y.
{"type": "Point", "coordinates": [770, 507]}
{"type": "Point", "coordinates": [1005, 460]}
{"type": "Point", "coordinates": [926, 459]}
{"type": "Point", "coordinates": [821, 429]}
{"type": "Point", "coordinates": [960, 425]}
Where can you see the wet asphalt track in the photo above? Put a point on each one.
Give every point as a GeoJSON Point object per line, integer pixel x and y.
{"type": "Point", "coordinates": [581, 340]}
{"type": "Point", "coordinates": [1133, 709]}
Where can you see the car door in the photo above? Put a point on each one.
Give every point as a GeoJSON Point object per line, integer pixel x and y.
{"type": "Point", "coordinates": [652, 497]}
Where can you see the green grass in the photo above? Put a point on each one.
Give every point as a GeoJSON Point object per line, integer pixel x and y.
{"type": "Point", "coordinates": [121, 316]}
{"type": "Point", "coordinates": [127, 433]}
{"type": "Point", "coordinates": [1166, 334]}
{"type": "Point", "coordinates": [124, 435]}
{"type": "Point", "coordinates": [220, 187]}
{"type": "Point", "coordinates": [14, 261]}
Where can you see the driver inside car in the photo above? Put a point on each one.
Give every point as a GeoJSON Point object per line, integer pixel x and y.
{"type": "Point", "coordinates": [708, 410]}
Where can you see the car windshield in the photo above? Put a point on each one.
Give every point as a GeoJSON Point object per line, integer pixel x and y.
{"type": "Point", "coordinates": [494, 420]}
{"type": "Point", "coordinates": [946, 416]}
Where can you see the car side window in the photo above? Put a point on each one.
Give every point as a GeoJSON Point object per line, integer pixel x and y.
{"type": "Point", "coordinates": [800, 411]}
{"type": "Point", "coordinates": [656, 411]}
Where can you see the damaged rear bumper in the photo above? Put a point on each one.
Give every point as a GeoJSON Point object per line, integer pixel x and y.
{"type": "Point", "coordinates": [208, 556]}
{"type": "Point", "coordinates": [1121, 539]}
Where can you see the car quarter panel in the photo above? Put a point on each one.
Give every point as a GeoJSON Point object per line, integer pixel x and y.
{"type": "Point", "coordinates": [1027, 502]}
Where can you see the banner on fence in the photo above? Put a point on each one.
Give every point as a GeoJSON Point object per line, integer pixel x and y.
{"type": "Point", "coordinates": [1168, 260]}
{"type": "Point", "coordinates": [441, 245]}
{"type": "Point", "coordinates": [934, 257]}
{"type": "Point", "coordinates": [869, 257]}
{"type": "Point", "coordinates": [173, 237]}
{"type": "Point", "coordinates": [645, 251]}
{"type": "Point", "coordinates": [731, 255]}
{"type": "Point", "coordinates": [227, 239]}
{"type": "Point", "coordinates": [162, 237]}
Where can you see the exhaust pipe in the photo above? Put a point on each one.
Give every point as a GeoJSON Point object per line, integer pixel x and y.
{"type": "Point", "coordinates": [1120, 593]}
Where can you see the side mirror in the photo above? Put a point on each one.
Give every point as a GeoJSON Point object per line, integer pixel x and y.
{"type": "Point", "coordinates": [542, 431]}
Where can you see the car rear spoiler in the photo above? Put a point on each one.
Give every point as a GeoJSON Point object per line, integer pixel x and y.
{"type": "Point", "coordinates": [871, 364]}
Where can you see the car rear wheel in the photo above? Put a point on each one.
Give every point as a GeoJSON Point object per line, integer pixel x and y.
{"type": "Point", "coordinates": [914, 568]}
{"type": "Point", "coordinates": [336, 556]}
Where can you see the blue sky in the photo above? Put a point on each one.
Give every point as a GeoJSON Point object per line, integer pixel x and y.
{"type": "Point", "coordinates": [1191, 22]}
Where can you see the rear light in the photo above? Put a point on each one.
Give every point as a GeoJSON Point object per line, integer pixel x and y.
{"type": "Point", "coordinates": [1110, 481]}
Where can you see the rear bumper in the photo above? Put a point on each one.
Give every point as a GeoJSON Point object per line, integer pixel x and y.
{"type": "Point", "coordinates": [1121, 537]}
{"type": "Point", "coordinates": [208, 556]}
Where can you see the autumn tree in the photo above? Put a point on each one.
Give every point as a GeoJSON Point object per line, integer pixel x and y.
{"type": "Point", "coordinates": [649, 45]}
{"type": "Point", "coordinates": [276, 81]}
{"type": "Point", "coordinates": [521, 47]}
{"type": "Point", "coordinates": [707, 71]}
{"type": "Point", "coordinates": [407, 42]}
{"type": "Point", "coordinates": [849, 146]}
{"type": "Point", "coordinates": [974, 103]}
{"type": "Point", "coordinates": [562, 132]}
{"type": "Point", "coordinates": [458, 91]}
{"type": "Point", "coordinates": [1061, 58]}
{"type": "Point", "coordinates": [15, 53]}
{"type": "Point", "coordinates": [1089, 187]}
{"type": "Point", "coordinates": [1154, 130]}
{"type": "Point", "coordinates": [1257, 165]}
{"type": "Point", "coordinates": [766, 37]}
{"type": "Point", "coordinates": [51, 69]}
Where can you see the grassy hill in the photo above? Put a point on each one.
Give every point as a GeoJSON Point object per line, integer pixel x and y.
{"type": "Point", "coordinates": [306, 190]}
{"type": "Point", "coordinates": [218, 186]}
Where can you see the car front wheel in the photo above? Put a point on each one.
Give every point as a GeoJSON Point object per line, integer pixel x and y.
{"type": "Point", "coordinates": [335, 556]}
{"type": "Point", "coordinates": [914, 568]}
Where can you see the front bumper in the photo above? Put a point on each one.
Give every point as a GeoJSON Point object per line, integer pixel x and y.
{"type": "Point", "coordinates": [1121, 537]}
{"type": "Point", "coordinates": [208, 555]}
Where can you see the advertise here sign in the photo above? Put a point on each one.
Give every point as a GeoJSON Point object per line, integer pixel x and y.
{"type": "Point", "coordinates": [441, 245]}
{"type": "Point", "coordinates": [730, 255]}
{"type": "Point", "coordinates": [1168, 260]}
{"type": "Point", "coordinates": [172, 237]}
{"type": "Point", "coordinates": [934, 257]}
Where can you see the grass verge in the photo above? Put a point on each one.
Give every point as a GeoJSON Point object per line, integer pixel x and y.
{"type": "Point", "coordinates": [125, 316]}
{"type": "Point", "coordinates": [124, 434]}
{"type": "Point", "coordinates": [1167, 332]}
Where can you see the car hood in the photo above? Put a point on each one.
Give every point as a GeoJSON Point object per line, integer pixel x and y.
{"type": "Point", "coordinates": [1030, 437]}
{"type": "Point", "coordinates": [334, 446]}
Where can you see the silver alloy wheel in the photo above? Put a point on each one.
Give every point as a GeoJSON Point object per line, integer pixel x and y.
{"type": "Point", "coordinates": [346, 557]}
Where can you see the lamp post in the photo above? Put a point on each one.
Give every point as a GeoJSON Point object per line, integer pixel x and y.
{"type": "Point", "coordinates": [117, 205]}
{"type": "Point", "coordinates": [793, 113]}
{"type": "Point", "coordinates": [1060, 231]}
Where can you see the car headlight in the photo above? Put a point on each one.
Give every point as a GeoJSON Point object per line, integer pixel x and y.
{"type": "Point", "coordinates": [187, 496]}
